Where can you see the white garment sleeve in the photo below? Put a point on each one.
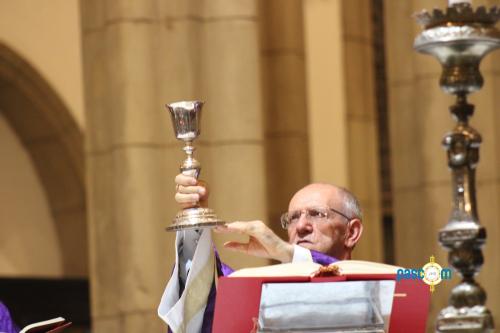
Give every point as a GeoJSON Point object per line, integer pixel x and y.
{"type": "Point", "coordinates": [172, 307]}
{"type": "Point", "coordinates": [186, 247]}
{"type": "Point", "coordinates": [301, 254]}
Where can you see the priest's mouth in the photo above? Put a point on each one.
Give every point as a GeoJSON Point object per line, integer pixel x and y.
{"type": "Point", "coordinates": [303, 242]}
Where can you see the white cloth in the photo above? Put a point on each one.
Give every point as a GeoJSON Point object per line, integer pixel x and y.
{"type": "Point", "coordinates": [194, 258]}
{"type": "Point", "coordinates": [185, 314]}
{"type": "Point", "coordinates": [301, 254]}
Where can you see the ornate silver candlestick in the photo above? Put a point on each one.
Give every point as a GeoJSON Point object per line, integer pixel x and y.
{"type": "Point", "coordinates": [459, 38]}
{"type": "Point", "coordinates": [186, 116]}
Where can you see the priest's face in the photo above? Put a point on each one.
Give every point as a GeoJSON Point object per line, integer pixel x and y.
{"type": "Point", "coordinates": [313, 222]}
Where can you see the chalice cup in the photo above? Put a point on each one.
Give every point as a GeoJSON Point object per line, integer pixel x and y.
{"type": "Point", "coordinates": [186, 117]}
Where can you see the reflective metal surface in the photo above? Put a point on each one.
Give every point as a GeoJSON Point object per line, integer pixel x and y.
{"type": "Point", "coordinates": [459, 38]}
{"type": "Point", "coordinates": [186, 117]}
{"type": "Point", "coordinates": [348, 306]}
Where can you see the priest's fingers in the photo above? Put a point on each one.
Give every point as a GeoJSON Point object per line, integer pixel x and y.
{"type": "Point", "coordinates": [189, 205]}
{"type": "Point", "coordinates": [185, 180]}
{"type": "Point", "coordinates": [189, 185]}
{"type": "Point", "coordinates": [186, 198]}
{"type": "Point", "coordinates": [251, 228]}
{"type": "Point", "coordinates": [236, 246]}
{"type": "Point", "coordinates": [262, 238]}
{"type": "Point", "coordinates": [191, 189]}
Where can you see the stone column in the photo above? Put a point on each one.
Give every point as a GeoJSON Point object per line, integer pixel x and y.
{"type": "Point", "coordinates": [486, 120]}
{"type": "Point", "coordinates": [419, 118]}
{"type": "Point", "coordinates": [285, 112]}
{"type": "Point", "coordinates": [130, 163]}
{"type": "Point", "coordinates": [137, 57]}
{"type": "Point", "coordinates": [326, 100]}
{"type": "Point", "coordinates": [232, 147]}
{"type": "Point", "coordinates": [361, 122]}
{"type": "Point", "coordinates": [342, 109]}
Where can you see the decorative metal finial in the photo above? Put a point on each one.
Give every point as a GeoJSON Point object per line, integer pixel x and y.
{"type": "Point", "coordinates": [460, 13]}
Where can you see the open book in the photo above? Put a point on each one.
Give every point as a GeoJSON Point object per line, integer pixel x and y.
{"type": "Point", "coordinates": [344, 267]}
{"type": "Point", "coordinates": [47, 326]}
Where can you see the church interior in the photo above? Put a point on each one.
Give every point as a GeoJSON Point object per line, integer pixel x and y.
{"type": "Point", "coordinates": [295, 91]}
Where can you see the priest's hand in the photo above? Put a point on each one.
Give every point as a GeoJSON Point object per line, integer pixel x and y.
{"type": "Point", "coordinates": [190, 191]}
{"type": "Point", "coordinates": [262, 242]}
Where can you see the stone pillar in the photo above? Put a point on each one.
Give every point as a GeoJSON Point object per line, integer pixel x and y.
{"type": "Point", "coordinates": [361, 121]}
{"type": "Point", "coordinates": [232, 148]}
{"type": "Point", "coordinates": [342, 108]}
{"type": "Point", "coordinates": [137, 57]}
{"type": "Point", "coordinates": [285, 113]}
{"type": "Point", "coordinates": [129, 165]}
{"type": "Point", "coordinates": [419, 118]}
{"type": "Point", "coordinates": [326, 100]}
{"type": "Point", "coordinates": [486, 120]}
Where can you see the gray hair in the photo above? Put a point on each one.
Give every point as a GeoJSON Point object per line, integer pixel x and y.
{"type": "Point", "coordinates": [351, 204]}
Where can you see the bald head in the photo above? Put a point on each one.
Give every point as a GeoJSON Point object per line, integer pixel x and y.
{"type": "Point", "coordinates": [334, 235]}
{"type": "Point", "coordinates": [333, 196]}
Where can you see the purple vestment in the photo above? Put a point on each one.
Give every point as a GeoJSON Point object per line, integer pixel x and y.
{"type": "Point", "coordinates": [224, 270]}
{"type": "Point", "coordinates": [322, 259]}
{"type": "Point", "coordinates": [6, 324]}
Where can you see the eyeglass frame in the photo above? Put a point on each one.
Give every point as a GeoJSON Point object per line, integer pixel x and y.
{"type": "Point", "coordinates": [305, 210]}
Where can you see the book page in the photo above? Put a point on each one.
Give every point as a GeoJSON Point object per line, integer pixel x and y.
{"type": "Point", "coordinates": [46, 324]}
{"type": "Point", "coordinates": [347, 267]}
{"type": "Point", "coordinates": [289, 269]}
{"type": "Point", "coordinates": [365, 267]}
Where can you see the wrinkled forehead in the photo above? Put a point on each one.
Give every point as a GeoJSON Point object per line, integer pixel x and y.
{"type": "Point", "coordinates": [316, 195]}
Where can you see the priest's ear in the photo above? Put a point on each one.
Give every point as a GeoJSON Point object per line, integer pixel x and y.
{"type": "Point", "coordinates": [353, 234]}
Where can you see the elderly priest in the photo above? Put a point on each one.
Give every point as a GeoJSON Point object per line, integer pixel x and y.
{"type": "Point", "coordinates": [323, 223]}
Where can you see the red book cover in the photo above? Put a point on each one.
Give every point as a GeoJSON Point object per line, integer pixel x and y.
{"type": "Point", "coordinates": [238, 300]}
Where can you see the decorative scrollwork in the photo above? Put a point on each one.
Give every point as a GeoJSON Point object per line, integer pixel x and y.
{"type": "Point", "coordinates": [459, 14]}
{"type": "Point", "coordinates": [462, 235]}
{"type": "Point", "coordinates": [443, 33]}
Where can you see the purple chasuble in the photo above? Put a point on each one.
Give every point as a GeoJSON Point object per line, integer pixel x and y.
{"type": "Point", "coordinates": [6, 324]}
{"type": "Point", "coordinates": [322, 259]}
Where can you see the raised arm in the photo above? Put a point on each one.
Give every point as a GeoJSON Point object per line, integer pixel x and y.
{"type": "Point", "coordinates": [183, 305]}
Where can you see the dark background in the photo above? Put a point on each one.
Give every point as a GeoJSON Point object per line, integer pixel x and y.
{"type": "Point", "coordinates": [33, 300]}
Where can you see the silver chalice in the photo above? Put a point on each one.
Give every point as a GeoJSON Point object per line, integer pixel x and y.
{"type": "Point", "coordinates": [186, 117]}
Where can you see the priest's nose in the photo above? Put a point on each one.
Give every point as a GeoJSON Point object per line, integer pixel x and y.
{"type": "Point", "coordinates": [304, 225]}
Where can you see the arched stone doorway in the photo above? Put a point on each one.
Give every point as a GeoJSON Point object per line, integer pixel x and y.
{"type": "Point", "coordinates": [55, 145]}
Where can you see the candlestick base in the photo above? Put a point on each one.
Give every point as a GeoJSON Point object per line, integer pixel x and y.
{"type": "Point", "coordinates": [476, 319]}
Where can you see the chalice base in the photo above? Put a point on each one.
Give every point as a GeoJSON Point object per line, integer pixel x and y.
{"type": "Point", "coordinates": [195, 218]}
